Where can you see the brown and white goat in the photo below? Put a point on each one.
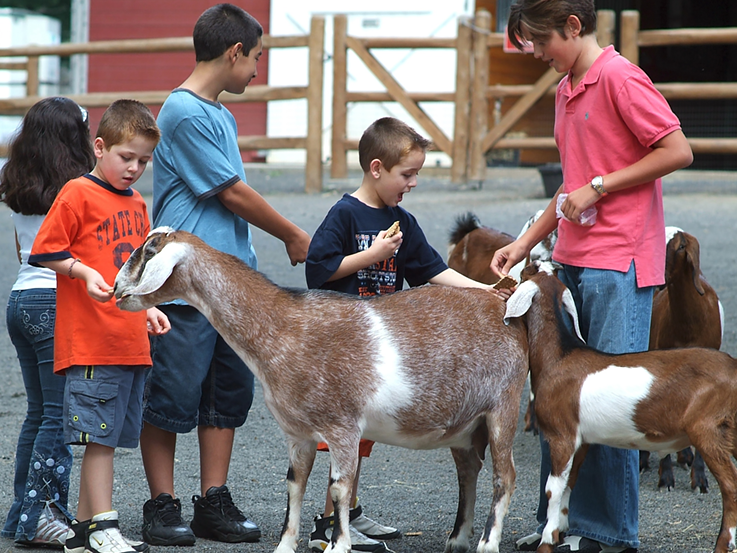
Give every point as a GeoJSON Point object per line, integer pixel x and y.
{"type": "Point", "coordinates": [470, 251]}
{"type": "Point", "coordinates": [658, 400]}
{"type": "Point", "coordinates": [425, 368]}
{"type": "Point", "coordinates": [686, 312]}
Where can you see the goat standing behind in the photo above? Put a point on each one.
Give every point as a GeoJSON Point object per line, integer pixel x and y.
{"type": "Point", "coordinates": [425, 368]}
{"type": "Point", "coordinates": [686, 312]}
{"type": "Point", "coordinates": [658, 400]}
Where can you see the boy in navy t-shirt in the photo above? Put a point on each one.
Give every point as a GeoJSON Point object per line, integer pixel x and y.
{"type": "Point", "coordinates": [351, 252]}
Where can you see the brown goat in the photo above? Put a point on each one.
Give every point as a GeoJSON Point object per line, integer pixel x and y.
{"type": "Point", "coordinates": [659, 400]}
{"type": "Point", "coordinates": [686, 312]}
{"type": "Point", "coordinates": [424, 368]}
{"type": "Point", "coordinates": [472, 247]}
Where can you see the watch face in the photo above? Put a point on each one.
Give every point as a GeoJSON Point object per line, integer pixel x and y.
{"type": "Point", "coordinates": [597, 181]}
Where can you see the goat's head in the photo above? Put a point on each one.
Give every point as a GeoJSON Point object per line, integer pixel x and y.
{"type": "Point", "coordinates": [140, 282]}
{"type": "Point", "coordinates": [682, 257]}
{"type": "Point", "coordinates": [539, 278]}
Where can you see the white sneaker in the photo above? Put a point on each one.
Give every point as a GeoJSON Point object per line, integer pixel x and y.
{"type": "Point", "coordinates": [52, 529]}
{"type": "Point", "coordinates": [103, 535]}
{"type": "Point", "coordinates": [371, 528]}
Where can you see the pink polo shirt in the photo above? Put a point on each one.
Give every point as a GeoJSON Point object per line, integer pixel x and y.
{"type": "Point", "coordinates": [608, 122]}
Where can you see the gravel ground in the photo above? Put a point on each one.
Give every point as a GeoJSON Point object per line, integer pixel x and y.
{"type": "Point", "coordinates": [415, 491]}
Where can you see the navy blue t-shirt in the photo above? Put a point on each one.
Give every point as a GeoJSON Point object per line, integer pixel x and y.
{"type": "Point", "coordinates": [350, 227]}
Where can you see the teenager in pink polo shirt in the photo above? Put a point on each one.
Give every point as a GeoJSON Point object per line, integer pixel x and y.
{"type": "Point", "coordinates": [617, 136]}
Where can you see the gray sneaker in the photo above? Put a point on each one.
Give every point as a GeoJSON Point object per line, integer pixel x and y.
{"type": "Point", "coordinates": [371, 528]}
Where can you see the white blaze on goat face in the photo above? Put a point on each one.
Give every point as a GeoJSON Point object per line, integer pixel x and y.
{"type": "Point", "coordinates": [607, 405]}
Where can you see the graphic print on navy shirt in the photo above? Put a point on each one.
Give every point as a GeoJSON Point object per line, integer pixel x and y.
{"type": "Point", "coordinates": [380, 278]}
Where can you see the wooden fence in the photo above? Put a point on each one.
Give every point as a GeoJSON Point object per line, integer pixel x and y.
{"type": "Point", "coordinates": [473, 136]}
{"type": "Point", "coordinates": [313, 92]}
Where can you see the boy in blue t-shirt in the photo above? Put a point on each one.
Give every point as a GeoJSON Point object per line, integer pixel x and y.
{"type": "Point", "coordinates": [351, 252]}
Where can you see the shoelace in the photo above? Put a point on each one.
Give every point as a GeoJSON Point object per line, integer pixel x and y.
{"type": "Point", "coordinates": [224, 502]}
{"type": "Point", "coordinates": [170, 512]}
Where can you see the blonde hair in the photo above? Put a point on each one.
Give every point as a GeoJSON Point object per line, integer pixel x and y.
{"type": "Point", "coordinates": [389, 140]}
{"type": "Point", "coordinates": [127, 119]}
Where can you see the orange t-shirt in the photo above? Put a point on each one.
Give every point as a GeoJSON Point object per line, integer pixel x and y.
{"type": "Point", "coordinates": [101, 226]}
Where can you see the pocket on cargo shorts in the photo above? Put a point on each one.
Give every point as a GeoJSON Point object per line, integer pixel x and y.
{"type": "Point", "coordinates": [92, 406]}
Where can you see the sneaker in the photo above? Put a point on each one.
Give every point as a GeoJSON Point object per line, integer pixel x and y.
{"type": "Point", "coordinates": [77, 538]}
{"type": "Point", "coordinates": [528, 543]}
{"type": "Point", "coordinates": [163, 524]}
{"type": "Point", "coordinates": [322, 531]}
{"type": "Point", "coordinates": [51, 531]}
{"type": "Point", "coordinates": [217, 518]}
{"type": "Point", "coordinates": [371, 528]}
{"type": "Point", "coordinates": [577, 544]}
{"type": "Point", "coordinates": [103, 535]}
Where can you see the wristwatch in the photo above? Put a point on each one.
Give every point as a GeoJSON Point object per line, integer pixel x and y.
{"type": "Point", "coordinates": [597, 183]}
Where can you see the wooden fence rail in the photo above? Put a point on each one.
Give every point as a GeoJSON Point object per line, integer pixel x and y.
{"type": "Point", "coordinates": [314, 41]}
{"type": "Point", "coordinates": [473, 136]}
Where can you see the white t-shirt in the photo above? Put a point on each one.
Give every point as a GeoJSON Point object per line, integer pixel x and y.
{"type": "Point", "coordinates": [26, 228]}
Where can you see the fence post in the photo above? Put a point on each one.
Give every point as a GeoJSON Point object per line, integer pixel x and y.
{"type": "Point", "coordinates": [630, 28]}
{"type": "Point", "coordinates": [464, 43]}
{"type": "Point", "coordinates": [32, 78]}
{"type": "Point", "coordinates": [605, 23]}
{"type": "Point", "coordinates": [479, 101]}
{"type": "Point", "coordinates": [313, 168]}
{"type": "Point", "coordinates": [339, 163]}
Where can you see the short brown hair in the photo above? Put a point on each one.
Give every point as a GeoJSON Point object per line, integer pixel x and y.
{"type": "Point", "coordinates": [124, 120]}
{"type": "Point", "coordinates": [543, 17]}
{"type": "Point", "coordinates": [388, 140]}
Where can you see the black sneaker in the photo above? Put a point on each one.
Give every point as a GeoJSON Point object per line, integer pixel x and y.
{"type": "Point", "coordinates": [76, 539]}
{"type": "Point", "coordinates": [163, 524]}
{"type": "Point", "coordinates": [217, 518]}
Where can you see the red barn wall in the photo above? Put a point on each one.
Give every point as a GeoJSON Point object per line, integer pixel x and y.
{"type": "Point", "coordinates": [138, 19]}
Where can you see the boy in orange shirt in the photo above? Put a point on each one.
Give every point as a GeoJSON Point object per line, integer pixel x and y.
{"type": "Point", "coordinates": [94, 224]}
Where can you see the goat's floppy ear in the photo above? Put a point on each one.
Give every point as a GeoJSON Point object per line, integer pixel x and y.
{"type": "Point", "coordinates": [158, 269]}
{"type": "Point", "coordinates": [570, 306]}
{"type": "Point", "coordinates": [521, 300]}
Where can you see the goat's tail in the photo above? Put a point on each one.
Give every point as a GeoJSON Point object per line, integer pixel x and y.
{"type": "Point", "coordinates": [463, 225]}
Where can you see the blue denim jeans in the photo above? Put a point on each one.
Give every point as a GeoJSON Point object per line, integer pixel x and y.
{"type": "Point", "coordinates": [196, 378]}
{"type": "Point", "coordinates": [614, 315]}
{"type": "Point", "coordinates": [42, 460]}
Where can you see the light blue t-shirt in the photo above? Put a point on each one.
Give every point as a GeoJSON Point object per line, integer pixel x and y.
{"type": "Point", "coordinates": [196, 158]}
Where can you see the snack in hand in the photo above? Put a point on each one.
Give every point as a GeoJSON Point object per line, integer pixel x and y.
{"type": "Point", "coordinates": [392, 230]}
{"type": "Point", "coordinates": [505, 282]}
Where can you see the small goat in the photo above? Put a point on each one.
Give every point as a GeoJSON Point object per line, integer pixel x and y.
{"type": "Point", "coordinates": [658, 400]}
{"type": "Point", "coordinates": [686, 312]}
{"type": "Point", "coordinates": [425, 368]}
{"type": "Point", "coordinates": [472, 246]}
{"type": "Point", "coordinates": [470, 251]}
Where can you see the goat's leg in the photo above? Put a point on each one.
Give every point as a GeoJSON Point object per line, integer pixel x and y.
{"type": "Point", "coordinates": [561, 459]}
{"type": "Point", "coordinates": [502, 426]}
{"type": "Point", "coordinates": [343, 465]}
{"type": "Point", "coordinates": [565, 501]}
{"type": "Point", "coordinates": [665, 473]}
{"type": "Point", "coordinates": [718, 459]}
{"type": "Point", "coordinates": [468, 466]}
{"type": "Point", "coordinates": [301, 458]}
{"type": "Point", "coordinates": [698, 474]}
{"type": "Point", "coordinates": [685, 457]}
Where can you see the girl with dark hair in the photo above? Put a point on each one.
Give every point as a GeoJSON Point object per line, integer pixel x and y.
{"type": "Point", "coordinates": [52, 147]}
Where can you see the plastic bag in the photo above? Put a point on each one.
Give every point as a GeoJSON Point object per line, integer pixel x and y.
{"type": "Point", "coordinates": [586, 219]}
